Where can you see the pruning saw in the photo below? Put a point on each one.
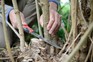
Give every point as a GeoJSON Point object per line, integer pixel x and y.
{"type": "Point", "coordinates": [29, 30]}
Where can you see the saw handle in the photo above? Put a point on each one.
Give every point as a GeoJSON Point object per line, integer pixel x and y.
{"type": "Point", "coordinates": [27, 29]}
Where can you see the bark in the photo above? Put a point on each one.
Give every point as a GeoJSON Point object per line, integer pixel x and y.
{"type": "Point", "coordinates": [81, 42]}
{"type": "Point", "coordinates": [5, 31]}
{"type": "Point", "coordinates": [74, 22]}
{"type": "Point", "coordinates": [84, 25]}
{"type": "Point", "coordinates": [74, 17]}
{"type": "Point", "coordinates": [17, 12]}
{"type": "Point", "coordinates": [45, 10]}
{"type": "Point", "coordinates": [80, 14]}
{"type": "Point", "coordinates": [91, 20]}
{"type": "Point", "coordinates": [91, 6]}
{"type": "Point", "coordinates": [85, 9]}
{"type": "Point", "coordinates": [87, 57]}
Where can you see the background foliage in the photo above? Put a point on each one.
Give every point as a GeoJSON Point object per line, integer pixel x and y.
{"type": "Point", "coordinates": [64, 11]}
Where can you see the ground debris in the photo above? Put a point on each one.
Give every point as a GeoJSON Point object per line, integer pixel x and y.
{"type": "Point", "coordinates": [36, 52]}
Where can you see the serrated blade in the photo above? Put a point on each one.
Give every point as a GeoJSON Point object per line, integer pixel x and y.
{"type": "Point", "coordinates": [52, 43]}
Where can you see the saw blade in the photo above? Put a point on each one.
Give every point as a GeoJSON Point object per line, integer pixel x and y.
{"type": "Point", "coordinates": [52, 43]}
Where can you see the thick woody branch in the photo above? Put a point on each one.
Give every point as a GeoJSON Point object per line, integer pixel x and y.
{"type": "Point", "coordinates": [17, 12]}
{"type": "Point", "coordinates": [5, 31]}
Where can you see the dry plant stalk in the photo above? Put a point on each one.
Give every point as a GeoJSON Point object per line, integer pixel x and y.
{"type": "Point", "coordinates": [5, 31]}
{"type": "Point", "coordinates": [91, 20]}
{"type": "Point", "coordinates": [17, 12]}
{"type": "Point", "coordinates": [61, 51]}
{"type": "Point", "coordinates": [80, 14]}
{"type": "Point", "coordinates": [73, 42]}
{"type": "Point", "coordinates": [81, 42]}
{"type": "Point", "coordinates": [89, 52]}
{"type": "Point", "coordinates": [45, 10]}
{"type": "Point", "coordinates": [38, 16]}
{"type": "Point", "coordinates": [91, 6]}
{"type": "Point", "coordinates": [74, 17]}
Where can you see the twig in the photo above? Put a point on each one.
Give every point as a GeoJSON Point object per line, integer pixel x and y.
{"type": "Point", "coordinates": [91, 59]}
{"type": "Point", "coordinates": [62, 7]}
{"type": "Point", "coordinates": [38, 16]}
{"type": "Point", "coordinates": [59, 54]}
{"type": "Point", "coordinates": [13, 29]}
{"type": "Point", "coordinates": [15, 32]}
{"type": "Point", "coordinates": [74, 17]}
{"type": "Point", "coordinates": [51, 50]}
{"type": "Point", "coordinates": [5, 31]}
{"type": "Point", "coordinates": [81, 42]}
{"type": "Point", "coordinates": [40, 58]}
{"type": "Point", "coordinates": [69, 37]}
{"type": "Point", "coordinates": [6, 58]}
{"type": "Point", "coordinates": [91, 7]}
{"type": "Point", "coordinates": [91, 39]}
{"type": "Point", "coordinates": [1, 48]}
{"type": "Point", "coordinates": [45, 11]}
{"type": "Point", "coordinates": [88, 53]}
{"type": "Point", "coordinates": [73, 42]}
{"type": "Point", "coordinates": [66, 33]}
{"type": "Point", "coordinates": [81, 14]}
{"type": "Point", "coordinates": [17, 12]}
{"type": "Point", "coordinates": [92, 50]}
